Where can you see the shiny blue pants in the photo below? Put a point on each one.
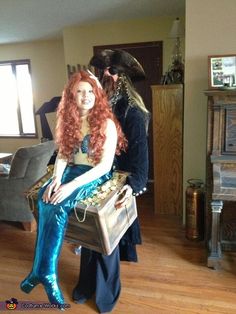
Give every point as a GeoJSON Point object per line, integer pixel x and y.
{"type": "Point", "coordinates": [52, 222]}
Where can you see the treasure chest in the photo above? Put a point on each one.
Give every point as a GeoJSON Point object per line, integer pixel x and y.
{"type": "Point", "coordinates": [95, 223]}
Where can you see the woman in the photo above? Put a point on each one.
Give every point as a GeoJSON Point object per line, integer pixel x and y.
{"type": "Point", "coordinates": [118, 69]}
{"type": "Point", "coordinates": [88, 136]}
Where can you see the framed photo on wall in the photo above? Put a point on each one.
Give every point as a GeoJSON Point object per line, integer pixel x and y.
{"type": "Point", "coordinates": [222, 71]}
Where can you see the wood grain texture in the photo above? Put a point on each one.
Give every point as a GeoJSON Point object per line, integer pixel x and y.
{"type": "Point", "coordinates": [103, 226]}
{"type": "Point", "coordinates": [221, 163]}
{"type": "Point", "coordinates": [171, 276]}
{"type": "Point", "coordinates": [168, 148]}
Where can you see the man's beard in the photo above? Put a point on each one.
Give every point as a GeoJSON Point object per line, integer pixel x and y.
{"type": "Point", "coordinates": [109, 86]}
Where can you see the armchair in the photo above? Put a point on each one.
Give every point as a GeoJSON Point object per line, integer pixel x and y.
{"type": "Point", "coordinates": [27, 166]}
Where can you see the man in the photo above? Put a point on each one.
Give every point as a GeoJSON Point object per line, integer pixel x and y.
{"type": "Point", "coordinates": [100, 274]}
{"type": "Point", "coordinates": [118, 69]}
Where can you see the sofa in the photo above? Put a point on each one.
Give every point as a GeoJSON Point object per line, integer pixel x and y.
{"type": "Point", "coordinates": [28, 165]}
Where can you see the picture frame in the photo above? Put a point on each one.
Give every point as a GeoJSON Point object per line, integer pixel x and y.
{"type": "Point", "coordinates": [222, 71]}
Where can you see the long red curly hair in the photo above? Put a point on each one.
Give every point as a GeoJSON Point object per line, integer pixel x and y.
{"type": "Point", "coordinates": [68, 128]}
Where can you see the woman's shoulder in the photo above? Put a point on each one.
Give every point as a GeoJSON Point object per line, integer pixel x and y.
{"type": "Point", "coordinates": [110, 122]}
{"type": "Point", "coordinates": [110, 125]}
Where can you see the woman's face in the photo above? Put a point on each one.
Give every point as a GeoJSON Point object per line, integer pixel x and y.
{"type": "Point", "coordinates": [85, 97]}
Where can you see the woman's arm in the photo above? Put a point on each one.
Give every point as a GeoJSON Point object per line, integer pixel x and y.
{"type": "Point", "coordinates": [59, 167]}
{"type": "Point", "coordinates": [97, 171]}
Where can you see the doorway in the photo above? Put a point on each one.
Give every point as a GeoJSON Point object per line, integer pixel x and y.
{"type": "Point", "coordinates": [150, 56]}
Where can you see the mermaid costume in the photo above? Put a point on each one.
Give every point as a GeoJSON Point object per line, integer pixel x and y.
{"type": "Point", "coordinates": [52, 223]}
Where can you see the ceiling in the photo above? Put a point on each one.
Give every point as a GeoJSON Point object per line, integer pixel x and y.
{"type": "Point", "coordinates": [27, 20]}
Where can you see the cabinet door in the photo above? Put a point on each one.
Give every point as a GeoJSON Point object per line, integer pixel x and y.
{"type": "Point", "coordinates": [230, 130]}
{"type": "Point", "coordinates": [168, 148]}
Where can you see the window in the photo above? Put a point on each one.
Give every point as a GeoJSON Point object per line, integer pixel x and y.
{"type": "Point", "coordinates": [16, 99]}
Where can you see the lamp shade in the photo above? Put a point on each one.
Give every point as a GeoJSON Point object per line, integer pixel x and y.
{"type": "Point", "coordinates": [177, 29]}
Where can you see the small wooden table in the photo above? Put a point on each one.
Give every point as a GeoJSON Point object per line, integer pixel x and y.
{"type": "Point", "coordinates": [5, 158]}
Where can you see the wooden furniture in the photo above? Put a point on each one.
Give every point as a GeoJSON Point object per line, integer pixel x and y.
{"type": "Point", "coordinates": [221, 165]}
{"type": "Point", "coordinates": [5, 160]}
{"type": "Point", "coordinates": [167, 118]}
{"type": "Point", "coordinates": [5, 157]}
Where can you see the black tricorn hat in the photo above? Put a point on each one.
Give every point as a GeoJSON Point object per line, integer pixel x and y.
{"type": "Point", "coordinates": [120, 59]}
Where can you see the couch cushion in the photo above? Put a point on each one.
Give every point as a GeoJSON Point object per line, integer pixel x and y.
{"type": "Point", "coordinates": [27, 155]}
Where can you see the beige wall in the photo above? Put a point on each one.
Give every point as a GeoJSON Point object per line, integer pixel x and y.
{"type": "Point", "coordinates": [79, 41]}
{"type": "Point", "coordinates": [49, 58]}
{"type": "Point", "coordinates": [48, 77]}
{"type": "Point", "coordinates": [210, 29]}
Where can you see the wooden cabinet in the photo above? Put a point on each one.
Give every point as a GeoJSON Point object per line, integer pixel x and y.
{"type": "Point", "coordinates": [167, 101]}
{"type": "Point", "coordinates": [221, 168]}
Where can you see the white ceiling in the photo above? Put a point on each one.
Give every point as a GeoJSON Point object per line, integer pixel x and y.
{"type": "Point", "coordinates": [27, 20]}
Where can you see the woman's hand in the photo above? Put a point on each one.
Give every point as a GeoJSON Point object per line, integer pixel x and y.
{"type": "Point", "coordinates": [62, 192]}
{"type": "Point", "coordinates": [51, 188]}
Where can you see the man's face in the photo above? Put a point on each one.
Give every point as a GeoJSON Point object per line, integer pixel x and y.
{"type": "Point", "coordinates": [112, 72]}
{"type": "Point", "coordinates": [109, 80]}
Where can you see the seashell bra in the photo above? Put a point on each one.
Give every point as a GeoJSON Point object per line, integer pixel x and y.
{"type": "Point", "coordinates": [84, 145]}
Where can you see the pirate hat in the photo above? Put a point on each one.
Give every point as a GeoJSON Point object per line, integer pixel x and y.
{"type": "Point", "coordinates": [123, 61]}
